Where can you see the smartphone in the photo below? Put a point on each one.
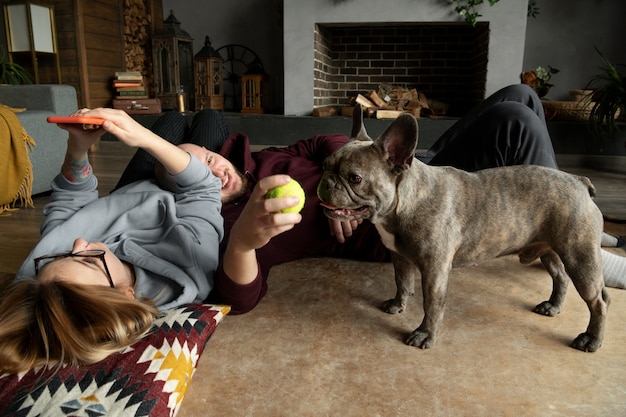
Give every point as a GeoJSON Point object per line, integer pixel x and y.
{"type": "Point", "coordinates": [89, 123]}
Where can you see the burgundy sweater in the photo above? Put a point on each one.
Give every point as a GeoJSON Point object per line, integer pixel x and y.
{"type": "Point", "coordinates": [310, 238]}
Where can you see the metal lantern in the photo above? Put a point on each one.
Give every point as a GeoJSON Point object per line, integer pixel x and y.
{"type": "Point", "coordinates": [172, 51]}
{"type": "Point", "coordinates": [31, 38]}
{"type": "Point", "coordinates": [255, 90]}
{"type": "Point", "coordinates": [208, 78]}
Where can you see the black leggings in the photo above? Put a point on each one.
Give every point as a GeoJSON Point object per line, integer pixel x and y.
{"type": "Point", "coordinates": [208, 128]}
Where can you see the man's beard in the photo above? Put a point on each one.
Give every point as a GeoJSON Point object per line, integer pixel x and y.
{"type": "Point", "coordinates": [240, 193]}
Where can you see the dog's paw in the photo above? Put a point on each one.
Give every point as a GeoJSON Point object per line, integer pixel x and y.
{"type": "Point", "coordinates": [392, 306]}
{"type": "Point", "coordinates": [586, 342]}
{"type": "Point", "coordinates": [547, 309]}
{"type": "Point", "coordinates": [420, 339]}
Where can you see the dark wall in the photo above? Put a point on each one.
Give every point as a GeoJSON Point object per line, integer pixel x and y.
{"type": "Point", "coordinates": [565, 34]}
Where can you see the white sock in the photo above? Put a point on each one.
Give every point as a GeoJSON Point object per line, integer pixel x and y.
{"type": "Point", "coordinates": [608, 241]}
{"type": "Point", "coordinates": [614, 269]}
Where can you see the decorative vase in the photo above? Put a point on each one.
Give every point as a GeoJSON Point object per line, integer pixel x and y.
{"type": "Point", "coordinates": [542, 90]}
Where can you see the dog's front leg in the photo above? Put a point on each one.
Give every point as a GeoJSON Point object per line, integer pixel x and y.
{"type": "Point", "coordinates": [404, 272]}
{"type": "Point", "coordinates": [435, 290]}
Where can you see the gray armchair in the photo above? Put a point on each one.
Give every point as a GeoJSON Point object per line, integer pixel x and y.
{"type": "Point", "coordinates": [41, 101]}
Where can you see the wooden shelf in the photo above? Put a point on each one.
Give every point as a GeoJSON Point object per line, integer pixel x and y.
{"type": "Point", "coordinates": [91, 43]}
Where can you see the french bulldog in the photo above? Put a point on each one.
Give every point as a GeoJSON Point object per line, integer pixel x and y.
{"type": "Point", "coordinates": [433, 219]}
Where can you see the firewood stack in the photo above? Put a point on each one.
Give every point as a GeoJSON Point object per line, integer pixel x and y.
{"type": "Point", "coordinates": [137, 38]}
{"type": "Point", "coordinates": [388, 102]}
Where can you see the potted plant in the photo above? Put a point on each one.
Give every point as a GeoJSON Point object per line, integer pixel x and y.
{"type": "Point", "coordinates": [609, 99]}
{"type": "Point", "coordinates": [11, 72]}
{"type": "Point", "coordinates": [467, 9]}
{"type": "Point", "coordinates": [538, 79]}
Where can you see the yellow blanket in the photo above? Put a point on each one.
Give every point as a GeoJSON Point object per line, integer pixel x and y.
{"type": "Point", "coordinates": [16, 177]}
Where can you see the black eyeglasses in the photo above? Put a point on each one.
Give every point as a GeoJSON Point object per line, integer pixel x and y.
{"type": "Point", "coordinates": [94, 253]}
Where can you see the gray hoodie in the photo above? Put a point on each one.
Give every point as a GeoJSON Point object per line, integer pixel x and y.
{"type": "Point", "coordinates": [171, 239]}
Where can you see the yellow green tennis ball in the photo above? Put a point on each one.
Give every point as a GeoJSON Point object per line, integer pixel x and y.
{"type": "Point", "coordinates": [292, 188]}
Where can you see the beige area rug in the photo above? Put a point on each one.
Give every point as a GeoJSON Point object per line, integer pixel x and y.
{"type": "Point", "coordinates": [318, 345]}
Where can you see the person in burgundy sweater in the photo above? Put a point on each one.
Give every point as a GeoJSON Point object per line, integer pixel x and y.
{"type": "Point", "coordinates": [508, 128]}
{"type": "Point", "coordinates": [311, 234]}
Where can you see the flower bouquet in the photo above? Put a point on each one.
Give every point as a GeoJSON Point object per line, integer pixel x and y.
{"type": "Point", "coordinates": [539, 79]}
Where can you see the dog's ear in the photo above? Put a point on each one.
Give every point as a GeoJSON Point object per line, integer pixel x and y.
{"type": "Point", "coordinates": [399, 142]}
{"type": "Point", "coordinates": [358, 128]}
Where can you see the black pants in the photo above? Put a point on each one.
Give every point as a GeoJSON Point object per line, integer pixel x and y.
{"type": "Point", "coordinates": [508, 128]}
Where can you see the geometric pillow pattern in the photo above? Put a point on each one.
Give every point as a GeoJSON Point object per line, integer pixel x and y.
{"type": "Point", "coordinates": [149, 378]}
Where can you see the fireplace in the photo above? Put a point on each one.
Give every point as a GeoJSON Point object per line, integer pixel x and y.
{"type": "Point", "coordinates": [446, 62]}
{"type": "Point", "coordinates": [438, 53]}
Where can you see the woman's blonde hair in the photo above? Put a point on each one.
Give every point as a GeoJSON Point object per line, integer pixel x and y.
{"type": "Point", "coordinates": [54, 323]}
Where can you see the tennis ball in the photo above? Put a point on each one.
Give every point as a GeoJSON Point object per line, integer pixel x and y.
{"type": "Point", "coordinates": [292, 188]}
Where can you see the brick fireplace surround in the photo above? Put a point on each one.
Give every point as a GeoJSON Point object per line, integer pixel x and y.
{"type": "Point", "coordinates": [447, 62]}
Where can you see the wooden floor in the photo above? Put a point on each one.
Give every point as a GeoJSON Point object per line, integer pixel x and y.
{"type": "Point", "coordinates": [19, 231]}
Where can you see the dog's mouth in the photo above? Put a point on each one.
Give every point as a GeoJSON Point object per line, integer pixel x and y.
{"type": "Point", "coordinates": [344, 213]}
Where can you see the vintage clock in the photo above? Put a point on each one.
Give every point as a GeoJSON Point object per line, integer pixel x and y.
{"type": "Point", "coordinates": [238, 60]}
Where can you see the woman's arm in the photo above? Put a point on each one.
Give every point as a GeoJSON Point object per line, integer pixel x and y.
{"type": "Point", "coordinates": [77, 186]}
{"type": "Point", "coordinates": [133, 134]}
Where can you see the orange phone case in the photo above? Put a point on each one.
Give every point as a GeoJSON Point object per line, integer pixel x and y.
{"type": "Point", "coordinates": [75, 119]}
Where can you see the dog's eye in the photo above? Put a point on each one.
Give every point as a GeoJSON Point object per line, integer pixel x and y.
{"type": "Point", "coordinates": [355, 179]}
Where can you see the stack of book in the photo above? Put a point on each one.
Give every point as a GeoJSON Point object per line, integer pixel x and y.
{"type": "Point", "coordinates": [129, 85]}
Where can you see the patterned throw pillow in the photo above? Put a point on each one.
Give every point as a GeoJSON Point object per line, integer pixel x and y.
{"type": "Point", "coordinates": [150, 378]}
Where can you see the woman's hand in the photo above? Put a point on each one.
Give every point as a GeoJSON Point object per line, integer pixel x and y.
{"type": "Point", "coordinates": [121, 125]}
{"type": "Point", "coordinates": [76, 167]}
{"type": "Point", "coordinates": [130, 132]}
{"type": "Point", "coordinates": [80, 140]}
{"type": "Point", "coordinates": [116, 122]}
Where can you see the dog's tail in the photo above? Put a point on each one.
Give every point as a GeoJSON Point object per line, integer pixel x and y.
{"type": "Point", "coordinates": [590, 187]}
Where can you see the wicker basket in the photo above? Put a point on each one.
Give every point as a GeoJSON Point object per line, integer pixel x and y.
{"type": "Point", "coordinates": [569, 110]}
{"type": "Point", "coordinates": [580, 95]}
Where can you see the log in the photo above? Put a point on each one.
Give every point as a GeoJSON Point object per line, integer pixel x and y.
{"type": "Point", "coordinates": [437, 107]}
{"type": "Point", "coordinates": [416, 112]}
{"type": "Point", "coordinates": [346, 111]}
{"type": "Point", "coordinates": [364, 101]}
{"type": "Point", "coordinates": [376, 99]}
{"type": "Point", "coordinates": [325, 111]}
{"type": "Point", "coordinates": [389, 114]}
